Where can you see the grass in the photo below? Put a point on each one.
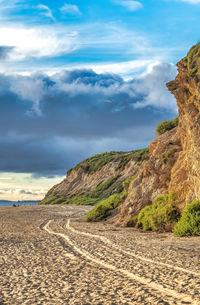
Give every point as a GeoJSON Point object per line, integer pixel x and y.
{"type": "Point", "coordinates": [104, 207]}
{"type": "Point", "coordinates": [193, 60]}
{"type": "Point", "coordinates": [103, 187]}
{"type": "Point", "coordinates": [189, 223]}
{"type": "Point", "coordinates": [81, 199]}
{"type": "Point", "coordinates": [160, 216]}
{"type": "Point", "coordinates": [84, 197]}
{"type": "Point", "coordinates": [164, 126]}
{"type": "Point", "coordinates": [55, 199]}
{"type": "Point", "coordinates": [95, 163]}
{"type": "Point", "coordinates": [137, 155]}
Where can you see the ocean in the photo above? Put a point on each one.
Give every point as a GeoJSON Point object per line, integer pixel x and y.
{"type": "Point", "coordinates": [5, 203]}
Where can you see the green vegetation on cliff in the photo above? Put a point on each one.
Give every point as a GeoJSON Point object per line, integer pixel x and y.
{"type": "Point", "coordinates": [102, 188]}
{"type": "Point", "coordinates": [97, 162]}
{"type": "Point", "coordinates": [160, 216]}
{"type": "Point", "coordinates": [137, 155]}
{"type": "Point", "coordinates": [164, 126]}
{"type": "Point", "coordinates": [189, 223]}
{"type": "Point", "coordinates": [193, 60]}
{"type": "Point", "coordinates": [104, 207]}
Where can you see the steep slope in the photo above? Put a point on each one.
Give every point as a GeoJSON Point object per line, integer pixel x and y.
{"type": "Point", "coordinates": [153, 177]}
{"type": "Point", "coordinates": [96, 178]}
{"type": "Point", "coordinates": [174, 162]}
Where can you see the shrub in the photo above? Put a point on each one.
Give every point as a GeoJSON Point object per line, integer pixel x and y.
{"type": "Point", "coordinates": [164, 126]}
{"type": "Point", "coordinates": [104, 207]}
{"type": "Point", "coordinates": [189, 223]}
{"type": "Point", "coordinates": [193, 60]}
{"type": "Point", "coordinates": [159, 216]}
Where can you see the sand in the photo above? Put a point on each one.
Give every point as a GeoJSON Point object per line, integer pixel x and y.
{"type": "Point", "coordinates": [49, 255]}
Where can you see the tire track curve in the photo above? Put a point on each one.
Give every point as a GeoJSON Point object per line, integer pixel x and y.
{"type": "Point", "coordinates": [109, 242]}
{"type": "Point", "coordinates": [144, 281]}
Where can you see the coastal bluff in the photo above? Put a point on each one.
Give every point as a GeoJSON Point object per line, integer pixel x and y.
{"type": "Point", "coordinates": [170, 164]}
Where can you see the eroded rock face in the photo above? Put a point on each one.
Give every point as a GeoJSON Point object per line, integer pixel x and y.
{"type": "Point", "coordinates": [153, 177]}
{"type": "Point", "coordinates": [185, 181]}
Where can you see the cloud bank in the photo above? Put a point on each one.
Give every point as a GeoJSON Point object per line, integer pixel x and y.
{"type": "Point", "coordinates": [49, 123]}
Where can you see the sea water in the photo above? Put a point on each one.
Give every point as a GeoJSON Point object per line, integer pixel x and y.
{"type": "Point", "coordinates": [16, 203]}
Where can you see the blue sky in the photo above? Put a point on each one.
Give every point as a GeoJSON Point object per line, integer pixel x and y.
{"type": "Point", "coordinates": [96, 32]}
{"type": "Point", "coordinates": [82, 77]}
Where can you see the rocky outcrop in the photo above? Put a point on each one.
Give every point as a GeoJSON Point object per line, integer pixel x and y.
{"type": "Point", "coordinates": [174, 163]}
{"type": "Point", "coordinates": [153, 177]}
{"type": "Point", "coordinates": [185, 180]}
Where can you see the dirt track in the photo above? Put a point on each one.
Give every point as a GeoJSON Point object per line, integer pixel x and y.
{"type": "Point", "coordinates": [49, 255]}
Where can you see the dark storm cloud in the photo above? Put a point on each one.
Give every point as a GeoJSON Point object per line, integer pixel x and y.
{"type": "Point", "coordinates": [49, 123]}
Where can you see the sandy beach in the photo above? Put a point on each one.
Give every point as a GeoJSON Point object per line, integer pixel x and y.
{"type": "Point", "coordinates": [49, 255]}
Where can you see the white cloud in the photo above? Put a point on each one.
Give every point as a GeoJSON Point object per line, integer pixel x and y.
{"type": "Point", "coordinates": [46, 11]}
{"type": "Point", "coordinates": [125, 69]}
{"type": "Point", "coordinates": [130, 5]}
{"type": "Point", "coordinates": [37, 42]}
{"type": "Point", "coordinates": [70, 9]}
{"type": "Point", "coordinates": [152, 86]}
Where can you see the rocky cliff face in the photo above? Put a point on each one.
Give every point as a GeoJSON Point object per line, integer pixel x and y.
{"type": "Point", "coordinates": [173, 163]}
{"type": "Point", "coordinates": [153, 177]}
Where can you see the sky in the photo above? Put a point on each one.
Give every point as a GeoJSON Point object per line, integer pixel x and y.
{"type": "Point", "coordinates": [83, 77]}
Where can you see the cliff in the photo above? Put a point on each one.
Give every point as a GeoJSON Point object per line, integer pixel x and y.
{"type": "Point", "coordinates": [172, 164]}
{"type": "Point", "coordinates": [174, 160]}
{"type": "Point", "coordinates": [97, 178]}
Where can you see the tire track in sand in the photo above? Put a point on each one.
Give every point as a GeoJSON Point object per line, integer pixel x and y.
{"type": "Point", "coordinates": [144, 281]}
{"type": "Point", "coordinates": [109, 242]}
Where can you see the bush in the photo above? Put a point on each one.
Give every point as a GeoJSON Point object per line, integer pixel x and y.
{"type": "Point", "coordinates": [164, 126]}
{"type": "Point", "coordinates": [189, 223]}
{"type": "Point", "coordinates": [160, 216]}
{"type": "Point", "coordinates": [193, 60]}
{"type": "Point", "coordinates": [104, 207]}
